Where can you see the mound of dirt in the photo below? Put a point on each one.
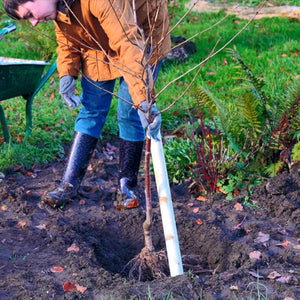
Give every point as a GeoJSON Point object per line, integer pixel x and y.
{"type": "Point", "coordinates": [230, 250]}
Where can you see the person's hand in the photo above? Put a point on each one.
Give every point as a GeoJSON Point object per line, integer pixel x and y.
{"type": "Point", "coordinates": [67, 91]}
{"type": "Point", "coordinates": [154, 126]}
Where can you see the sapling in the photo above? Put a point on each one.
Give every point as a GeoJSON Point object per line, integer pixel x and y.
{"type": "Point", "coordinates": [149, 263]}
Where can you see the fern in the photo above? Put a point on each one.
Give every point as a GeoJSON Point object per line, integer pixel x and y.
{"type": "Point", "coordinates": [254, 82]}
{"type": "Point", "coordinates": [215, 107]}
{"type": "Point", "coordinates": [249, 112]}
{"type": "Point", "coordinates": [273, 169]}
{"type": "Point", "coordinates": [296, 152]}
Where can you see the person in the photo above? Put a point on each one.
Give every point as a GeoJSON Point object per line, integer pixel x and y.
{"type": "Point", "coordinates": [104, 40]}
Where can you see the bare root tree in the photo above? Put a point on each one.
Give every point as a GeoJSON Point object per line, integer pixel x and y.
{"type": "Point", "coordinates": [149, 263]}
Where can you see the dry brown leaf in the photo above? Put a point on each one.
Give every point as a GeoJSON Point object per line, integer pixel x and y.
{"type": "Point", "coordinates": [236, 192]}
{"type": "Point", "coordinates": [284, 279]}
{"type": "Point", "coordinates": [190, 204]}
{"type": "Point", "coordinates": [41, 226]}
{"type": "Point", "coordinates": [73, 248]}
{"type": "Point", "coordinates": [255, 255]}
{"type": "Point", "coordinates": [297, 247]}
{"type": "Point", "coordinates": [239, 207]}
{"type": "Point", "coordinates": [80, 288]}
{"type": "Point", "coordinates": [21, 224]}
{"type": "Point", "coordinates": [69, 287]}
{"type": "Point", "coordinates": [199, 222]}
{"type": "Point", "coordinates": [262, 238]}
{"type": "Point", "coordinates": [273, 275]}
{"type": "Point", "coordinates": [82, 202]}
{"type": "Point", "coordinates": [284, 245]}
{"type": "Point", "coordinates": [11, 198]}
{"type": "Point", "coordinates": [56, 269]}
{"type": "Point", "coordinates": [201, 198]}
{"type": "Point", "coordinates": [196, 210]}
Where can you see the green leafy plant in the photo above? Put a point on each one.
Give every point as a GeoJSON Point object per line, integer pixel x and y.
{"type": "Point", "coordinates": [296, 152]}
{"type": "Point", "coordinates": [180, 157]}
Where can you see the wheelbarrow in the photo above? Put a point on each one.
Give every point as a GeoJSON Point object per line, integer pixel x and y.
{"type": "Point", "coordinates": [21, 77]}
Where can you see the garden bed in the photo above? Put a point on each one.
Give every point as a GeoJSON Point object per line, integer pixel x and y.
{"type": "Point", "coordinates": [230, 249]}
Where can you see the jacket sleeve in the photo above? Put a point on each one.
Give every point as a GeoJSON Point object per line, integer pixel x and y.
{"type": "Point", "coordinates": [68, 60]}
{"type": "Point", "coordinates": [116, 19]}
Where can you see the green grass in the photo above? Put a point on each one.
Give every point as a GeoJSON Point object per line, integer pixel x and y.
{"type": "Point", "coordinates": [269, 46]}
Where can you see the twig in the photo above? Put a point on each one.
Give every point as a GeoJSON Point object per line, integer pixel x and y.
{"type": "Point", "coordinates": [239, 225]}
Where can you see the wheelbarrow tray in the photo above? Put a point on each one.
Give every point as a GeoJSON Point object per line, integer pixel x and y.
{"type": "Point", "coordinates": [19, 77]}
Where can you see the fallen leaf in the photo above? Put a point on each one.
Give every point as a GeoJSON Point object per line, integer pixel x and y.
{"type": "Point", "coordinates": [199, 222]}
{"type": "Point", "coordinates": [82, 202]}
{"type": "Point", "coordinates": [219, 189]}
{"type": "Point", "coordinates": [297, 247]}
{"type": "Point", "coordinates": [11, 198]}
{"type": "Point", "coordinates": [21, 224]}
{"type": "Point", "coordinates": [56, 269]}
{"type": "Point", "coordinates": [41, 226]}
{"type": "Point", "coordinates": [255, 255]}
{"type": "Point", "coordinates": [73, 248]}
{"type": "Point", "coordinates": [284, 279]}
{"type": "Point", "coordinates": [190, 204]}
{"type": "Point", "coordinates": [239, 207]}
{"type": "Point", "coordinates": [262, 238]}
{"type": "Point", "coordinates": [273, 275]}
{"type": "Point", "coordinates": [28, 192]}
{"type": "Point", "coordinates": [283, 55]}
{"type": "Point", "coordinates": [80, 288]}
{"type": "Point", "coordinates": [3, 207]}
{"type": "Point", "coordinates": [69, 287]}
{"type": "Point", "coordinates": [201, 198]}
{"type": "Point", "coordinates": [288, 298]}
{"type": "Point", "coordinates": [196, 210]}
{"type": "Point", "coordinates": [284, 245]}
{"type": "Point", "coordinates": [236, 192]}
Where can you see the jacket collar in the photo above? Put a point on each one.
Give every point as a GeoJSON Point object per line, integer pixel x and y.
{"type": "Point", "coordinates": [62, 11]}
{"type": "Point", "coordinates": [62, 7]}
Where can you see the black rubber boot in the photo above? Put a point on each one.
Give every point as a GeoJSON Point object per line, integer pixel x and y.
{"type": "Point", "coordinates": [129, 159]}
{"type": "Point", "coordinates": [79, 157]}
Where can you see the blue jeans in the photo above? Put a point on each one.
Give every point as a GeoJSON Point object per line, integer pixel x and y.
{"type": "Point", "coordinates": [96, 104]}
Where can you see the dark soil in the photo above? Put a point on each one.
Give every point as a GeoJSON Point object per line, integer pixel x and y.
{"type": "Point", "coordinates": [218, 256]}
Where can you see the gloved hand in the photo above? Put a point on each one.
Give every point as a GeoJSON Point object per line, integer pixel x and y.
{"type": "Point", "coordinates": [154, 126]}
{"type": "Point", "coordinates": [67, 91]}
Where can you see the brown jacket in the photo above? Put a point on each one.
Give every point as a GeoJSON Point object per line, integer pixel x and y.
{"type": "Point", "coordinates": [99, 38]}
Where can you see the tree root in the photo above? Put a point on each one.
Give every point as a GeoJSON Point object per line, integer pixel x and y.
{"type": "Point", "coordinates": [148, 265]}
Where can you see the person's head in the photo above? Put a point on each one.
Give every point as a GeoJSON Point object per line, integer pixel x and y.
{"type": "Point", "coordinates": [35, 11]}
